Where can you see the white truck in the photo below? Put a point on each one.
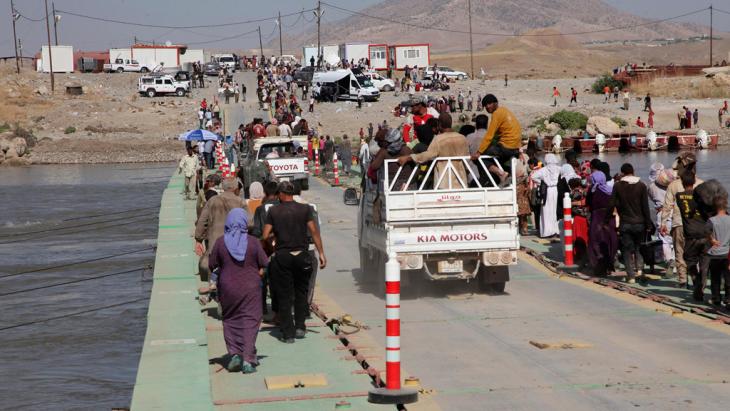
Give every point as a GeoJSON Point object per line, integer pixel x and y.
{"type": "Point", "coordinates": [456, 233]}
{"type": "Point", "coordinates": [275, 159]}
{"type": "Point", "coordinates": [226, 60]}
{"type": "Point", "coordinates": [378, 81]}
{"type": "Point", "coordinates": [122, 65]}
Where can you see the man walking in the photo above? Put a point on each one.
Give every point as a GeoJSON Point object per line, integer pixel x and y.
{"type": "Point", "coordinates": [685, 163]}
{"type": "Point", "coordinates": [345, 155]}
{"type": "Point", "coordinates": [212, 220]}
{"type": "Point", "coordinates": [188, 167]}
{"type": "Point", "coordinates": [573, 97]}
{"type": "Point", "coordinates": [329, 150]}
{"type": "Point", "coordinates": [630, 198]}
{"type": "Point", "coordinates": [291, 264]}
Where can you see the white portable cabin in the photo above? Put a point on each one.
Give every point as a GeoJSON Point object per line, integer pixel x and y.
{"type": "Point", "coordinates": [354, 51]}
{"type": "Point", "coordinates": [124, 54]}
{"type": "Point", "coordinates": [153, 55]}
{"type": "Point", "coordinates": [63, 59]}
{"type": "Point", "coordinates": [402, 55]}
{"type": "Point", "coordinates": [191, 56]}
{"type": "Point", "coordinates": [378, 56]}
{"type": "Point", "coordinates": [330, 54]}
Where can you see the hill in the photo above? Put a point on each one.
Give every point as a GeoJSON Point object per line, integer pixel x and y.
{"type": "Point", "coordinates": [488, 16]}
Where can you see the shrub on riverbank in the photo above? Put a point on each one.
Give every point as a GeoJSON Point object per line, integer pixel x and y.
{"type": "Point", "coordinates": [606, 80]}
{"type": "Point", "coordinates": [570, 120]}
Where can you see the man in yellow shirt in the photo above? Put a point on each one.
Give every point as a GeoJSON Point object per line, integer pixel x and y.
{"type": "Point", "coordinates": [503, 138]}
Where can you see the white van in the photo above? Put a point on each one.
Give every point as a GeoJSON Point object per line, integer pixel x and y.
{"type": "Point", "coordinates": [342, 85]}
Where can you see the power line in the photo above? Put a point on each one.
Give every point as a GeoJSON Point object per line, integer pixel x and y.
{"type": "Point", "coordinates": [131, 23]}
{"type": "Point", "coordinates": [223, 38]}
{"type": "Point", "coordinates": [78, 262]}
{"type": "Point", "coordinates": [425, 27]}
{"type": "Point", "coordinates": [43, 287]}
{"type": "Point", "coordinates": [72, 226]}
{"type": "Point", "coordinates": [74, 314]}
{"type": "Point", "coordinates": [721, 11]}
{"type": "Point", "coordinates": [80, 231]}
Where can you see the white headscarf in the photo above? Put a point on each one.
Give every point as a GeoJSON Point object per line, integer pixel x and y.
{"type": "Point", "coordinates": [568, 172]}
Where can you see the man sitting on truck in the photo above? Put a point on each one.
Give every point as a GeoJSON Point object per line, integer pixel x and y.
{"type": "Point", "coordinates": [447, 143]}
{"type": "Point", "coordinates": [503, 138]}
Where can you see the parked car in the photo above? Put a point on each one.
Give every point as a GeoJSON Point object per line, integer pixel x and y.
{"type": "Point", "coordinates": [380, 82]}
{"type": "Point", "coordinates": [211, 69]}
{"type": "Point", "coordinates": [304, 74]}
{"type": "Point", "coordinates": [153, 85]}
{"type": "Point", "coordinates": [448, 72]}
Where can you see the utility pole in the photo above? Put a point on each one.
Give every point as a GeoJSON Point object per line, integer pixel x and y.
{"type": "Point", "coordinates": [56, 17]}
{"type": "Point", "coordinates": [261, 47]}
{"type": "Point", "coordinates": [50, 51]}
{"type": "Point", "coordinates": [15, 16]}
{"type": "Point", "coordinates": [20, 51]}
{"type": "Point", "coordinates": [281, 46]}
{"type": "Point", "coordinates": [318, 15]}
{"type": "Point", "coordinates": [471, 43]}
{"type": "Point", "coordinates": [711, 35]}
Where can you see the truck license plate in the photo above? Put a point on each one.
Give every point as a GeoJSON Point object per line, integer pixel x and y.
{"type": "Point", "coordinates": [447, 267]}
{"type": "Point", "coordinates": [284, 178]}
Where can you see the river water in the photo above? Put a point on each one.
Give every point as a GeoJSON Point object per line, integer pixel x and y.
{"type": "Point", "coordinates": [75, 346]}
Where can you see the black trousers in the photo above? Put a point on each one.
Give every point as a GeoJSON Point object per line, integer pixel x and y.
{"type": "Point", "coordinates": [290, 275]}
{"type": "Point", "coordinates": [695, 258]}
{"type": "Point", "coordinates": [719, 273]}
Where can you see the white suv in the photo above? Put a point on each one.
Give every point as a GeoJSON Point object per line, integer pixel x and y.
{"type": "Point", "coordinates": [151, 86]}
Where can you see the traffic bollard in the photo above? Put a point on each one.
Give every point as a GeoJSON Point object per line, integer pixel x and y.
{"type": "Point", "coordinates": [393, 393]}
{"type": "Point", "coordinates": [336, 182]}
{"type": "Point", "coordinates": [568, 229]}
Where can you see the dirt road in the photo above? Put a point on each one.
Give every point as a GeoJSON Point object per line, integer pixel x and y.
{"type": "Point", "coordinates": [474, 350]}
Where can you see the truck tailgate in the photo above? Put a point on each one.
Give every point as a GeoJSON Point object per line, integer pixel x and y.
{"type": "Point", "coordinates": [286, 166]}
{"type": "Point", "coordinates": [450, 236]}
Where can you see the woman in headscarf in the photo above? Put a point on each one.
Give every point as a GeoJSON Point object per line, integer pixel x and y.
{"type": "Point", "coordinates": [255, 196]}
{"type": "Point", "coordinates": [522, 172]}
{"type": "Point", "coordinates": [603, 241]}
{"type": "Point", "coordinates": [239, 260]}
{"type": "Point", "coordinates": [546, 179]}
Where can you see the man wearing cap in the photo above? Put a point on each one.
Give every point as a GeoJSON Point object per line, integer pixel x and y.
{"type": "Point", "coordinates": [420, 113]}
{"type": "Point", "coordinates": [291, 265]}
{"type": "Point", "coordinates": [503, 138]}
{"type": "Point", "coordinates": [447, 143]}
{"type": "Point", "coordinates": [685, 163]}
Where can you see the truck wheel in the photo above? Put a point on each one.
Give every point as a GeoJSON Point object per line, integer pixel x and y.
{"type": "Point", "coordinates": [460, 77]}
{"type": "Point", "coordinates": [151, 92]}
{"type": "Point", "coordinates": [493, 279]}
{"type": "Point", "coordinates": [120, 70]}
{"type": "Point", "coordinates": [180, 92]}
{"type": "Point", "coordinates": [304, 184]}
{"type": "Point", "coordinates": [143, 70]}
{"type": "Point", "coordinates": [387, 88]}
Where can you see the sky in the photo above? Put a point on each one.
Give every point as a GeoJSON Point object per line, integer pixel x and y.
{"type": "Point", "coordinates": [85, 34]}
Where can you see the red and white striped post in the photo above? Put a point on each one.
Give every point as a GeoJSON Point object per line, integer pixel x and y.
{"type": "Point", "coordinates": [336, 181]}
{"type": "Point", "coordinates": [568, 229]}
{"type": "Point", "coordinates": [316, 162]}
{"type": "Point", "coordinates": [393, 393]}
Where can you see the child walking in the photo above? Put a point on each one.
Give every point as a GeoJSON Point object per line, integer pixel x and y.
{"type": "Point", "coordinates": [718, 253]}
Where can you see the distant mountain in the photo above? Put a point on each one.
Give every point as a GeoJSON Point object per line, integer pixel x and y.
{"type": "Point", "coordinates": [488, 16]}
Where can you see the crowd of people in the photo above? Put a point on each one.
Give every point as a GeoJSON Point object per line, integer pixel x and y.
{"type": "Point", "coordinates": [673, 218]}
{"type": "Point", "coordinates": [266, 246]}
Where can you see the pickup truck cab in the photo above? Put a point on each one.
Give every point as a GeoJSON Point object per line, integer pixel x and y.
{"type": "Point", "coordinates": [463, 232]}
{"type": "Point", "coordinates": [153, 85]}
{"type": "Point", "coordinates": [121, 65]}
{"type": "Point", "coordinates": [446, 71]}
{"type": "Point", "coordinates": [274, 159]}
